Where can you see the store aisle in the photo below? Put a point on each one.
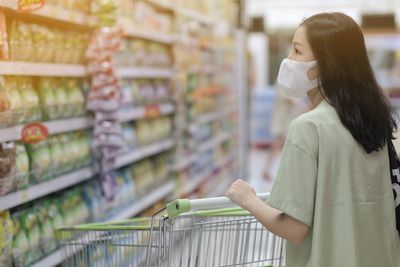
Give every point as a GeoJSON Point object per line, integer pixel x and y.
{"type": "Point", "coordinates": [258, 159]}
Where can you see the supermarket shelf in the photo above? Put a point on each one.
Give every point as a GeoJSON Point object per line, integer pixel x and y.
{"type": "Point", "coordinates": [216, 141]}
{"type": "Point", "coordinates": [52, 12]}
{"type": "Point", "coordinates": [54, 127]}
{"type": "Point", "coordinates": [194, 15]}
{"type": "Point", "coordinates": [184, 163]}
{"type": "Point", "coordinates": [74, 124]}
{"type": "Point", "coordinates": [196, 182]}
{"type": "Point", "coordinates": [41, 69]}
{"type": "Point", "coordinates": [199, 179]}
{"type": "Point", "coordinates": [146, 201]}
{"type": "Point", "coordinates": [164, 73]}
{"type": "Point", "coordinates": [140, 112]}
{"type": "Point", "coordinates": [34, 192]}
{"type": "Point", "coordinates": [144, 152]}
{"type": "Point", "coordinates": [159, 193]}
{"type": "Point", "coordinates": [150, 36]}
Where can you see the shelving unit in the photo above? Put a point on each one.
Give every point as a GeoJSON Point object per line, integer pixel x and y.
{"type": "Point", "coordinates": [41, 69]}
{"type": "Point", "coordinates": [74, 124]}
{"type": "Point", "coordinates": [141, 204]}
{"type": "Point", "coordinates": [144, 152]}
{"type": "Point", "coordinates": [18, 198]}
{"type": "Point", "coordinates": [52, 13]}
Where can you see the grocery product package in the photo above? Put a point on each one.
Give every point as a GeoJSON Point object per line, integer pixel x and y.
{"type": "Point", "coordinates": [7, 167]}
{"type": "Point", "coordinates": [6, 239]}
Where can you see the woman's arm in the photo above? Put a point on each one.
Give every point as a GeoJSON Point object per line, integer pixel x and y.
{"type": "Point", "coordinates": [274, 220]}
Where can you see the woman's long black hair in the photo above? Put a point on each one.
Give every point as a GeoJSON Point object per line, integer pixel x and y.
{"type": "Point", "coordinates": [348, 82]}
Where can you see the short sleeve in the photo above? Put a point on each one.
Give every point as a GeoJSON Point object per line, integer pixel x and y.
{"type": "Point", "coordinates": [293, 191]}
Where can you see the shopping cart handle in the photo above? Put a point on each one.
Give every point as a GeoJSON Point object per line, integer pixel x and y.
{"type": "Point", "coordinates": [179, 206]}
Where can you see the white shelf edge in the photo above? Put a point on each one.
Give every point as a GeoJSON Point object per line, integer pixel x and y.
{"type": "Point", "coordinates": [139, 112]}
{"type": "Point", "coordinates": [144, 152]}
{"type": "Point", "coordinates": [146, 201]}
{"type": "Point", "coordinates": [22, 68]}
{"type": "Point", "coordinates": [187, 161]}
{"type": "Point", "coordinates": [158, 37]}
{"type": "Point", "coordinates": [162, 73]}
{"type": "Point", "coordinates": [220, 138]}
{"type": "Point", "coordinates": [80, 123]}
{"type": "Point", "coordinates": [15, 199]}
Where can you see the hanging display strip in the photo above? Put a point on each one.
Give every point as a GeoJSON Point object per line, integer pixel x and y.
{"type": "Point", "coordinates": [146, 73]}
{"type": "Point", "coordinates": [159, 193]}
{"type": "Point", "coordinates": [41, 69]}
{"type": "Point", "coordinates": [47, 11]}
{"type": "Point", "coordinates": [15, 199]}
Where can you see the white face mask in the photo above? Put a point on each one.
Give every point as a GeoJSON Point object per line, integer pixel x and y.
{"type": "Point", "coordinates": [293, 79]}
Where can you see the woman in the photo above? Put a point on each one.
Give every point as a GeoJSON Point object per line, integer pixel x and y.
{"type": "Point", "coordinates": [332, 198]}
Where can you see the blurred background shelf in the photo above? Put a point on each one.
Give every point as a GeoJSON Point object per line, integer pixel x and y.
{"type": "Point", "coordinates": [41, 69]}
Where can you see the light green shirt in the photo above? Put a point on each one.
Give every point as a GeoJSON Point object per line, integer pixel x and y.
{"type": "Point", "coordinates": [327, 181]}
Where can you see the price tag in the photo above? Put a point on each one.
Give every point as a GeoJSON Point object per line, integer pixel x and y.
{"type": "Point", "coordinates": [30, 5]}
{"type": "Point", "coordinates": [33, 133]}
{"type": "Point", "coordinates": [152, 111]}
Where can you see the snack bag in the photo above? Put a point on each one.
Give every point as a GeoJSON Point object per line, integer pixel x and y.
{"type": "Point", "coordinates": [61, 99]}
{"type": "Point", "coordinates": [48, 241]}
{"type": "Point", "coordinates": [30, 224]}
{"type": "Point", "coordinates": [40, 160]}
{"type": "Point", "coordinates": [14, 96]}
{"type": "Point", "coordinates": [20, 41]}
{"type": "Point", "coordinates": [21, 167]}
{"type": "Point", "coordinates": [54, 215]}
{"type": "Point", "coordinates": [6, 239]}
{"type": "Point", "coordinates": [30, 99]}
{"type": "Point", "coordinates": [5, 105]}
{"type": "Point", "coordinates": [20, 251]}
{"type": "Point", "coordinates": [7, 167]}
{"type": "Point", "coordinates": [47, 98]}
{"type": "Point", "coordinates": [75, 98]}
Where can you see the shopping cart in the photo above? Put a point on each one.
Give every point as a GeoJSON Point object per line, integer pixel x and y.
{"type": "Point", "coordinates": [185, 233]}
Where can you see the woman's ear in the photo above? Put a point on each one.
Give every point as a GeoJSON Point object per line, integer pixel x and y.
{"type": "Point", "coordinates": [313, 73]}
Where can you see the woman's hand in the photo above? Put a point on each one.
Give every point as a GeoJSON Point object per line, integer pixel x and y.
{"type": "Point", "coordinates": [241, 193]}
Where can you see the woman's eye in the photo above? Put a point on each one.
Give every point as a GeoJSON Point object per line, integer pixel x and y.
{"type": "Point", "coordinates": [296, 51]}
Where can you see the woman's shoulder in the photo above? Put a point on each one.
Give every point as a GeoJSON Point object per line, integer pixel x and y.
{"type": "Point", "coordinates": [323, 114]}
